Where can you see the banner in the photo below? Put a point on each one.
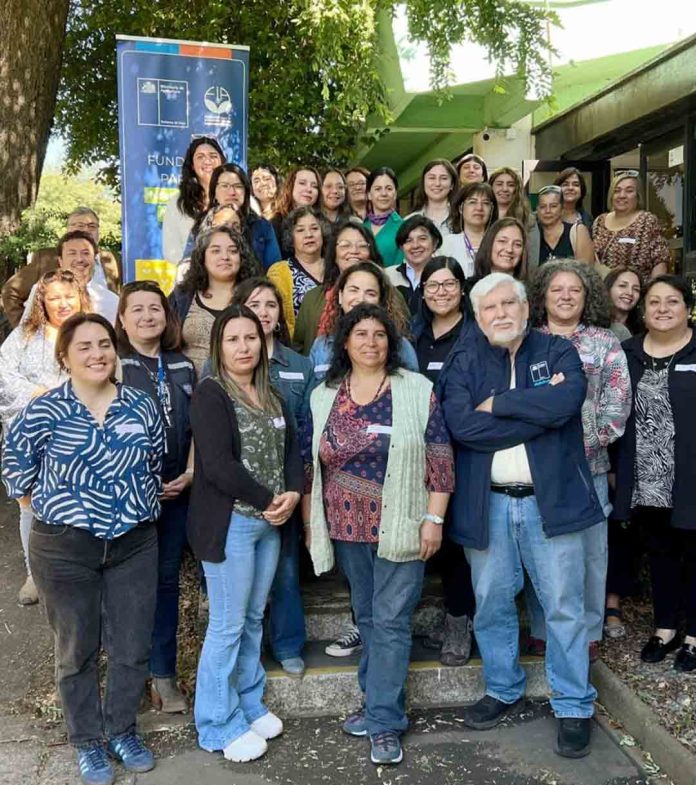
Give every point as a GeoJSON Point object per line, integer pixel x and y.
{"type": "Point", "coordinates": [169, 93]}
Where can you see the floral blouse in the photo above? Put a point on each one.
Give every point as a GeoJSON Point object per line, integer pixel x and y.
{"type": "Point", "coordinates": [640, 246]}
{"type": "Point", "coordinates": [353, 452]}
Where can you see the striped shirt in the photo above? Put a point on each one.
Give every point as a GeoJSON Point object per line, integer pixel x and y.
{"type": "Point", "coordinates": [105, 479]}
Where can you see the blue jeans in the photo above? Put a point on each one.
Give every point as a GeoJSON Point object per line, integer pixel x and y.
{"type": "Point", "coordinates": [171, 540]}
{"type": "Point", "coordinates": [286, 616]}
{"type": "Point", "coordinates": [596, 560]}
{"type": "Point", "coordinates": [384, 595]}
{"type": "Point", "coordinates": [556, 568]}
{"type": "Point", "coordinates": [231, 679]}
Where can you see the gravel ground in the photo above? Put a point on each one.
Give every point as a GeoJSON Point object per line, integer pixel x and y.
{"type": "Point", "coordinates": [671, 695]}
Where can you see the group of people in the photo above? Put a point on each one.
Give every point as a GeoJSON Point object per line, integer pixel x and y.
{"type": "Point", "coordinates": [471, 389]}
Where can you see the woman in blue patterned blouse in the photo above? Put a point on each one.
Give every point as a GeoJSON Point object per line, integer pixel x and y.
{"type": "Point", "coordinates": [87, 456]}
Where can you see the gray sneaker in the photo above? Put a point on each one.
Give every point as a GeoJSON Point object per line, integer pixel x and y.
{"type": "Point", "coordinates": [355, 724]}
{"type": "Point", "coordinates": [456, 646]}
{"type": "Point", "coordinates": [385, 748]}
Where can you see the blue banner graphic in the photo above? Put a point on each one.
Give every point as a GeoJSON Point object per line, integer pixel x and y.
{"type": "Point", "coordinates": [170, 92]}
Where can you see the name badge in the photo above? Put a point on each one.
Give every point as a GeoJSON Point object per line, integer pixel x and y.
{"type": "Point", "coordinates": [683, 367]}
{"type": "Point", "coordinates": [321, 368]}
{"type": "Point", "coordinates": [279, 422]}
{"type": "Point", "coordinates": [292, 375]}
{"type": "Point", "coordinates": [627, 240]}
{"type": "Point", "coordinates": [386, 429]}
{"type": "Point", "coordinates": [435, 366]}
{"type": "Point", "coordinates": [540, 373]}
{"type": "Point", "coordinates": [129, 427]}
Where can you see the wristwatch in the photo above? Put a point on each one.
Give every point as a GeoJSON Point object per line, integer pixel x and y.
{"type": "Point", "coordinates": [436, 519]}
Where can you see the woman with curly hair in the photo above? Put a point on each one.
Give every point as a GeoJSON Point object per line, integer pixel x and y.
{"type": "Point", "coordinates": [203, 156]}
{"type": "Point", "coordinates": [28, 368]}
{"type": "Point", "coordinates": [221, 259]}
{"type": "Point", "coordinates": [302, 188]}
{"type": "Point", "coordinates": [307, 233]}
{"type": "Point", "coordinates": [363, 282]}
{"type": "Point", "coordinates": [568, 298]}
{"type": "Point", "coordinates": [349, 243]}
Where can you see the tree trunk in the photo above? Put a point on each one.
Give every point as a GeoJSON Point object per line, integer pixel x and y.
{"type": "Point", "coordinates": [32, 33]}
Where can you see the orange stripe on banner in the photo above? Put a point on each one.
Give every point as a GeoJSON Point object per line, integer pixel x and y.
{"type": "Point", "coordinates": [205, 51]}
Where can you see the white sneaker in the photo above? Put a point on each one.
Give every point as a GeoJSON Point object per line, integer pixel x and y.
{"type": "Point", "coordinates": [267, 727]}
{"type": "Point", "coordinates": [248, 746]}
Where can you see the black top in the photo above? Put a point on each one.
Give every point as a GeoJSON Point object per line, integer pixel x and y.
{"type": "Point", "coordinates": [432, 352]}
{"type": "Point", "coordinates": [681, 382]}
{"type": "Point", "coordinates": [220, 478]}
{"type": "Point", "coordinates": [563, 249]}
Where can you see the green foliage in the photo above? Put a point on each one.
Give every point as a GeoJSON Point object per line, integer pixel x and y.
{"type": "Point", "coordinates": [315, 65]}
{"type": "Point", "coordinates": [44, 223]}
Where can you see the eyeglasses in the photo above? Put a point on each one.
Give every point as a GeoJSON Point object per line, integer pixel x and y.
{"type": "Point", "coordinates": [550, 189]}
{"type": "Point", "coordinates": [345, 245]}
{"type": "Point", "coordinates": [79, 226]}
{"type": "Point", "coordinates": [472, 202]}
{"type": "Point", "coordinates": [61, 275]}
{"type": "Point", "coordinates": [231, 186]}
{"type": "Point", "coordinates": [450, 286]}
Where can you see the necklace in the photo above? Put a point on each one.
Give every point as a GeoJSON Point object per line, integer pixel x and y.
{"type": "Point", "coordinates": [376, 395]}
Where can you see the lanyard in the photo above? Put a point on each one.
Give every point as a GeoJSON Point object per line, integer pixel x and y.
{"type": "Point", "coordinates": [469, 246]}
{"type": "Point", "coordinates": [162, 388]}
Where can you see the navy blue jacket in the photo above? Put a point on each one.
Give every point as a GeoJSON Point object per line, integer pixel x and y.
{"type": "Point", "coordinates": [545, 418]}
{"type": "Point", "coordinates": [263, 241]}
{"type": "Point", "coordinates": [182, 379]}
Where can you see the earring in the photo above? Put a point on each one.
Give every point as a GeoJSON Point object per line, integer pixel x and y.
{"type": "Point", "coordinates": [276, 329]}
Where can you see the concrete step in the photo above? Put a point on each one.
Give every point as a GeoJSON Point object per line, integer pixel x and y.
{"type": "Point", "coordinates": [327, 608]}
{"type": "Point", "coordinates": [330, 685]}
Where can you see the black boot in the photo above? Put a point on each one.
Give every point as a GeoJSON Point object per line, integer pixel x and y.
{"type": "Point", "coordinates": [573, 737]}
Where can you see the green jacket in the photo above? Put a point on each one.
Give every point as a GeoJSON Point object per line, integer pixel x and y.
{"type": "Point", "coordinates": [404, 496]}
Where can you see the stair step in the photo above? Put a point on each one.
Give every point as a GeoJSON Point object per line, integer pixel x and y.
{"type": "Point", "coordinates": [330, 685]}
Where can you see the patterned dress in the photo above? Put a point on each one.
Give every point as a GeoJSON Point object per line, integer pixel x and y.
{"type": "Point", "coordinates": [640, 246]}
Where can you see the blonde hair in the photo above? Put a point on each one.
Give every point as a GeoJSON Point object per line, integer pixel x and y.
{"type": "Point", "coordinates": [38, 317]}
{"type": "Point", "coordinates": [640, 201]}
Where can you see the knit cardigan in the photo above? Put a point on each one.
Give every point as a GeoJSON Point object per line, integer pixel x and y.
{"type": "Point", "coordinates": [404, 495]}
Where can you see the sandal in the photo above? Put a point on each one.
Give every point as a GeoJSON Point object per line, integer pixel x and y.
{"type": "Point", "coordinates": [614, 630]}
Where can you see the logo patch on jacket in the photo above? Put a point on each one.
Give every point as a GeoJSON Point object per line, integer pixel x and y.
{"type": "Point", "coordinates": [540, 373]}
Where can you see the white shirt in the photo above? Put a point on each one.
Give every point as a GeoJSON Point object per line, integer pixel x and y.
{"type": "Point", "coordinates": [454, 245]}
{"type": "Point", "coordinates": [511, 467]}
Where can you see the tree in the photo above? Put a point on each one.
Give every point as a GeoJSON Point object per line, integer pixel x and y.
{"type": "Point", "coordinates": [314, 64]}
{"type": "Point", "coordinates": [31, 46]}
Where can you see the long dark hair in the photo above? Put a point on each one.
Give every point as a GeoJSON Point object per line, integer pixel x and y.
{"type": "Point", "coordinates": [569, 172]}
{"type": "Point", "coordinates": [244, 291]}
{"type": "Point", "coordinates": [233, 169]}
{"type": "Point", "coordinates": [382, 171]}
{"type": "Point", "coordinates": [344, 209]}
{"type": "Point", "coordinates": [170, 340]}
{"type": "Point", "coordinates": [331, 271]}
{"type": "Point", "coordinates": [421, 199]}
{"type": "Point", "coordinates": [340, 362]}
{"type": "Point", "coordinates": [470, 189]}
{"type": "Point", "coordinates": [482, 262]}
{"type": "Point", "coordinates": [634, 320]}
{"type": "Point", "coordinates": [196, 278]}
{"type": "Point", "coordinates": [191, 193]}
{"type": "Point", "coordinates": [268, 397]}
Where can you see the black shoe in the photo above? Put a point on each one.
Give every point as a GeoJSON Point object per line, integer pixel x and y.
{"type": "Point", "coordinates": [488, 712]}
{"type": "Point", "coordinates": [573, 740]}
{"type": "Point", "coordinates": [655, 650]}
{"type": "Point", "coordinates": [685, 660]}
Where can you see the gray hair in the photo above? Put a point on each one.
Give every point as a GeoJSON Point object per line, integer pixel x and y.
{"type": "Point", "coordinates": [83, 211]}
{"type": "Point", "coordinates": [493, 281]}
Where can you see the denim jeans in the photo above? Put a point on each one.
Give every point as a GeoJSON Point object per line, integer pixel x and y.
{"type": "Point", "coordinates": [556, 568]}
{"type": "Point", "coordinates": [171, 538]}
{"type": "Point", "coordinates": [384, 595]}
{"type": "Point", "coordinates": [97, 590]}
{"type": "Point", "coordinates": [286, 616]}
{"type": "Point", "coordinates": [231, 679]}
{"type": "Point", "coordinates": [596, 553]}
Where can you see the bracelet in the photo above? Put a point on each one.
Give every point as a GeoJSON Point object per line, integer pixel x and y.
{"type": "Point", "coordinates": [432, 518]}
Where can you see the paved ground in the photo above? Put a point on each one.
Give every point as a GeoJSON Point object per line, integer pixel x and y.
{"type": "Point", "coordinates": [439, 750]}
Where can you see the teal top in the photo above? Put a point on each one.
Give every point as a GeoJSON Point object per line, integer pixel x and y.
{"type": "Point", "coordinates": [385, 239]}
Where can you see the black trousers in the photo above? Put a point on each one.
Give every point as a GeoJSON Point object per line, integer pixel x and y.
{"type": "Point", "coordinates": [450, 562]}
{"type": "Point", "coordinates": [672, 557]}
{"type": "Point", "coordinates": [624, 543]}
{"type": "Point", "coordinates": [94, 591]}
